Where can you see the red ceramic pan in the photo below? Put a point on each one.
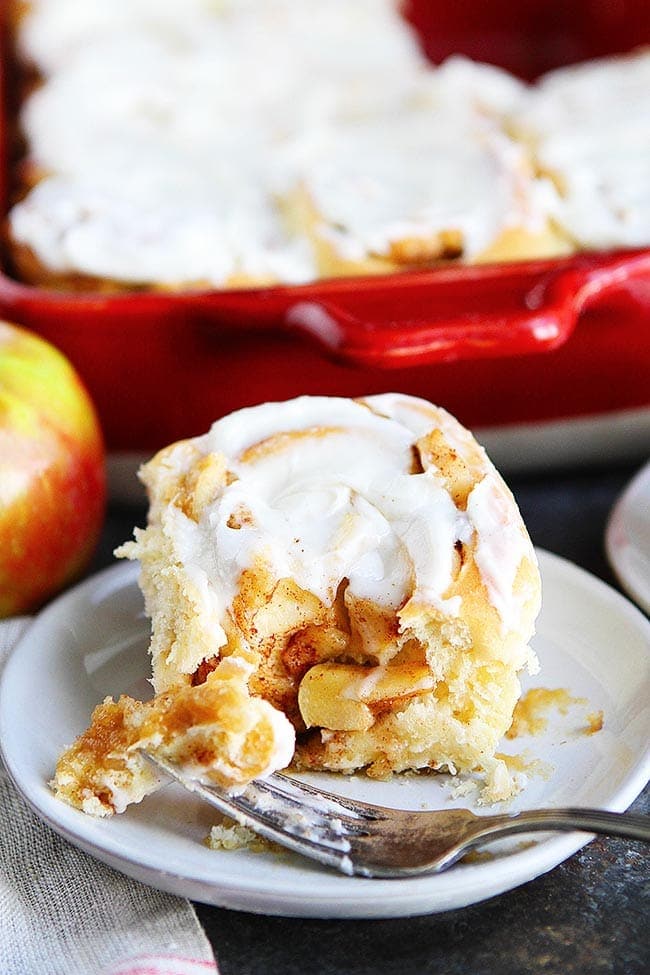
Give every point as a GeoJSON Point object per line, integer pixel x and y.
{"type": "Point", "coordinates": [522, 346]}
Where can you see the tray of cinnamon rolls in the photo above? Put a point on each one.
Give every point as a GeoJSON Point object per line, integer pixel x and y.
{"type": "Point", "coordinates": [231, 202]}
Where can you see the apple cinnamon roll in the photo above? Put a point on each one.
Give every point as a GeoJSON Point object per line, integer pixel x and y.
{"type": "Point", "coordinates": [345, 584]}
{"type": "Point", "coordinates": [362, 562]}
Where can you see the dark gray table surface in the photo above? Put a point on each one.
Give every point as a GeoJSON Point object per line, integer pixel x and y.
{"type": "Point", "coordinates": [589, 915]}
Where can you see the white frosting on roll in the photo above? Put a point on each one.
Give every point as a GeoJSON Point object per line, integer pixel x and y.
{"type": "Point", "coordinates": [324, 491]}
{"type": "Point", "coordinates": [425, 172]}
{"type": "Point", "coordinates": [485, 87]}
{"type": "Point", "coordinates": [319, 33]}
{"type": "Point", "coordinates": [499, 548]}
{"type": "Point", "coordinates": [591, 126]}
{"type": "Point", "coordinates": [155, 227]}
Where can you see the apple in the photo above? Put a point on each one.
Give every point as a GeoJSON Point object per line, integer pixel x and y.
{"type": "Point", "coordinates": [52, 472]}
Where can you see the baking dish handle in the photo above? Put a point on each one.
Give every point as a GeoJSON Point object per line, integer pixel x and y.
{"type": "Point", "coordinates": [485, 313]}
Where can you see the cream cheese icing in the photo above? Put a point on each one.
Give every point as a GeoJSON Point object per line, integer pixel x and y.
{"type": "Point", "coordinates": [590, 126]}
{"type": "Point", "coordinates": [327, 493]}
{"type": "Point", "coordinates": [167, 233]}
{"type": "Point", "coordinates": [54, 30]}
{"type": "Point", "coordinates": [424, 173]}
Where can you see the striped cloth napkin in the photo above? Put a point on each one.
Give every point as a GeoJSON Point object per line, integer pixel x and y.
{"type": "Point", "coordinates": [64, 913]}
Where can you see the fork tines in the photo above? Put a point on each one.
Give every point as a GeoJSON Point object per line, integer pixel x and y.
{"type": "Point", "coordinates": [286, 811]}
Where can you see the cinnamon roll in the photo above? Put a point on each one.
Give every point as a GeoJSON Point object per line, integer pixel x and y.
{"type": "Point", "coordinates": [587, 125]}
{"type": "Point", "coordinates": [363, 561]}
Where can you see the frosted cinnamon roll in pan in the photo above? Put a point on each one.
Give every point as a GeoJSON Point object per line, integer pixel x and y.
{"type": "Point", "coordinates": [432, 177]}
{"type": "Point", "coordinates": [366, 568]}
{"type": "Point", "coordinates": [588, 128]}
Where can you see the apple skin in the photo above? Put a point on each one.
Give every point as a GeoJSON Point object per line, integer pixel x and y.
{"type": "Point", "coordinates": [52, 472]}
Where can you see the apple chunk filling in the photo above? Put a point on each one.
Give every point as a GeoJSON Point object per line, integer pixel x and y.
{"type": "Point", "coordinates": [347, 697]}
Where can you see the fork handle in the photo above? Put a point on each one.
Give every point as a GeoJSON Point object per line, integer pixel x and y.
{"type": "Point", "coordinates": [628, 825]}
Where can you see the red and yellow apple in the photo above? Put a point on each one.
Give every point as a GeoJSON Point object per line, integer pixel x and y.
{"type": "Point", "coordinates": [52, 472]}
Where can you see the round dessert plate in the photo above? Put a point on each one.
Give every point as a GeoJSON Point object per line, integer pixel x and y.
{"type": "Point", "coordinates": [591, 641]}
{"type": "Point", "coordinates": [627, 538]}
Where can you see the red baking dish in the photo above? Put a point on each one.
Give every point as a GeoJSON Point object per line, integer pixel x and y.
{"type": "Point", "coordinates": [511, 349]}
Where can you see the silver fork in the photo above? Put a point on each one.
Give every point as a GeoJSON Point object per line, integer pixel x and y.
{"type": "Point", "coordinates": [376, 841]}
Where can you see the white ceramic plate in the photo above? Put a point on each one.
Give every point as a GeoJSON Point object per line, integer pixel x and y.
{"type": "Point", "coordinates": [627, 538]}
{"type": "Point", "coordinates": [92, 642]}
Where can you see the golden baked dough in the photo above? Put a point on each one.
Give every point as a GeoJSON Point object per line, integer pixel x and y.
{"type": "Point", "coordinates": [215, 731]}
